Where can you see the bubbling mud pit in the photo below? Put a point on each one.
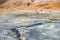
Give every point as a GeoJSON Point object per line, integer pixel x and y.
{"type": "Point", "coordinates": [29, 19]}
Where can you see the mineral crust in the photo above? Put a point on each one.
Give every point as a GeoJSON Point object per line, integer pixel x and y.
{"type": "Point", "coordinates": [29, 19]}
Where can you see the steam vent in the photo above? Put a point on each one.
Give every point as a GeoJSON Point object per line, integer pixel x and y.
{"type": "Point", "coordinates": [29, 19]}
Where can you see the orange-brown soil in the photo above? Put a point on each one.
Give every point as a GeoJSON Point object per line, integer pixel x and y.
{"type": "Point", "coordinates": [13, 6]}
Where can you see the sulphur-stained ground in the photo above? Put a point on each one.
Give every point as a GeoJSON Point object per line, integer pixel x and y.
{"type": "Point", "coordinates": [29, 19]}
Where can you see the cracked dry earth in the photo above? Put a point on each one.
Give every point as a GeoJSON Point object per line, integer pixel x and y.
{"type": "Point", "coordinates": [29, 19]}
